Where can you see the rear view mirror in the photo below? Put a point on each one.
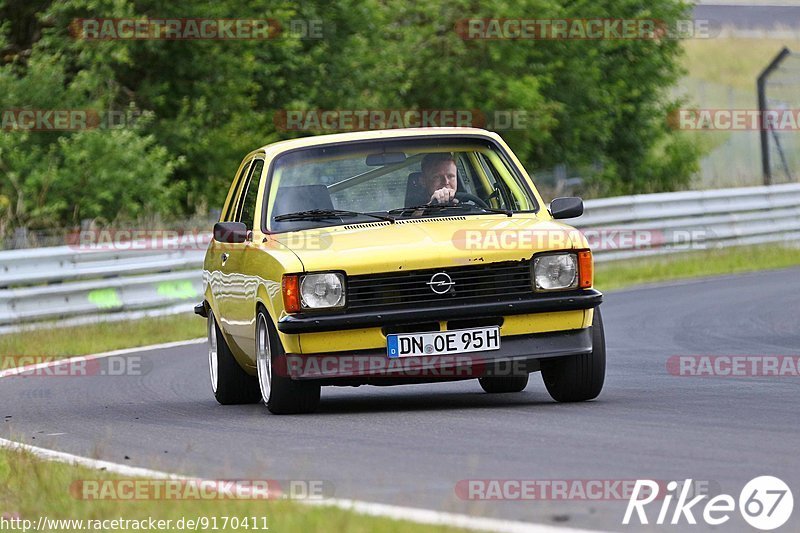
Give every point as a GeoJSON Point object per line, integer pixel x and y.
{"type": "Point", "coordinates": [386, 158]}
{"type": "Point", "coordinates": [230, 232]}
{"type": "Point", "coordinates": [566, 207]}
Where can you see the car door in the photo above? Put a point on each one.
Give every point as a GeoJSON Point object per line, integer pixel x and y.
{"type": "Point", "coordinates": [239, 309]}
{"type": "Point", "coordinates": [218, 253]}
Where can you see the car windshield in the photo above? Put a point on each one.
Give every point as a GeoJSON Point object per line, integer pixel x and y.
{"type": "Point", "coordinates": [392, 180]}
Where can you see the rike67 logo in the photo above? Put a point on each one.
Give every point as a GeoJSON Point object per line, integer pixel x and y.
{"type": "Point", "coordinates": [765, 503]}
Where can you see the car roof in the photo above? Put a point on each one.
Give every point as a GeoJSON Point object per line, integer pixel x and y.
{"type": "Point", "coordinates": [399, 133]}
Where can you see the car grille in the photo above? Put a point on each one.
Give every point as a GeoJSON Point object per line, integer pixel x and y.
{"type": "Point", "coordinates": [494, 282]}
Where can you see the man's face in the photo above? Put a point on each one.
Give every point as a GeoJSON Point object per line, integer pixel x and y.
{"type": "Point", "coordinates": [440, 175]}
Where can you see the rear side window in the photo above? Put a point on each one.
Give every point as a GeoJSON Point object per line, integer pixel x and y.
{"type": "Point", "coordinates": [232, 208]}
{"type": "Point", "coordinates": [248, 210]}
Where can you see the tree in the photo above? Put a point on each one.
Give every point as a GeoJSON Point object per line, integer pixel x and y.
{"type": "Point", "coordinates": [207, 103]}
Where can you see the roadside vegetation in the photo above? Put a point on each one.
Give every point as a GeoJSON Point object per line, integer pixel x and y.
{"type": "Point", "coordinates": [174, 118]}
{"type": "Point", "coordinates": [622, 274]}
{"type": "Point", "coordinates": [732, 61]}
{"type": "Point", "coordinates": [101, 336]}
{"type": "Point", "coordinates": [31, 488]}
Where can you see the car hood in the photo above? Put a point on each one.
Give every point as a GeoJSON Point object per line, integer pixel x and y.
{"type": "Point", "coordinates": [413, 244]}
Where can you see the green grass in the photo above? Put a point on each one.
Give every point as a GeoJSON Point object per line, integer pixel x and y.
{"type": "Point", "coordinates": [30, 488]}
{"type": "Point", "coordinates": [620, 274]}
{"type": "Point", "coordinates": [734, 62]}
{"type": "Point", "coordinates": [102, 337]}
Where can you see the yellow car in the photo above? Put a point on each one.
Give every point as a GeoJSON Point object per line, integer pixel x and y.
{"type": "Point", "coordinates": [391, 257]}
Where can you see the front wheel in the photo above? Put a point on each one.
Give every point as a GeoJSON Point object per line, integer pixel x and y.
{"type": "Point", "coordinates": [578, 378]}
{"type": "Point", "coordinates": [281, 394]}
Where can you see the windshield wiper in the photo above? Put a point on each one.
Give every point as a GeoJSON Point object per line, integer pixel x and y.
{"type": "Point", "coordinates": [506, 212]}
{"type": "Point", "coordinates": [319, 214]}
{"type": "Point", "coordinates": [442, 207]}
{"type": "Point", "coordinates": [423, 207]}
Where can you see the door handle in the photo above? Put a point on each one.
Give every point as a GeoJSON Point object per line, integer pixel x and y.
{"type": "Point", "coordinates": [225, 256]}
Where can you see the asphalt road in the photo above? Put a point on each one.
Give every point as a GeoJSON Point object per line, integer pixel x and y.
{"type": "Point", "coordinates": [410, 445]}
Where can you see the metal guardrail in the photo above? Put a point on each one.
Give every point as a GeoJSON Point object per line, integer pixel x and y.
{"type": "Point", "coordinates": [64, 282]}
{"type": "Point", "coordinates": [691, 220]}
{"type": "Point", "coordinates": [69, 263]}
{"type": "Point", "coordinates": [67, 282]}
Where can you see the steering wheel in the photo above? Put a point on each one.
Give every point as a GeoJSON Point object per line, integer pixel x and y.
{"type": "Point", "coordinates": [467, 197]}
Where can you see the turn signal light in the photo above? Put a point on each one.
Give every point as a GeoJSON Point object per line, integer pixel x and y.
{"type": "Point", "coordinates": [290, 286]}
{"type": "Point", "coordinates": [585, 269]}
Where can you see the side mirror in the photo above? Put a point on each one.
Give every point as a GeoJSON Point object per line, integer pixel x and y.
{"type": "Point", "coordinates": [566, 207]}
{"type": "Point", "coordinates": [230, 232]}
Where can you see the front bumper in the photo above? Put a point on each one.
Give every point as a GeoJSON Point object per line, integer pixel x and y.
{"type": "Point", "coordinates": [517, 354]}
{"type": "Point", "coordinates": [538, 303]}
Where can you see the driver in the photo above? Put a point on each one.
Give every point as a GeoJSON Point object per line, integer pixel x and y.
{"type": "Point", "coordinates": [439, 177]}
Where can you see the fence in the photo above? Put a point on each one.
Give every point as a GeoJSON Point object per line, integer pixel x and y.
{"type": "Point", "coordinates": [75, 286]}
{"type": "Point", "coordinates": [778, 87]}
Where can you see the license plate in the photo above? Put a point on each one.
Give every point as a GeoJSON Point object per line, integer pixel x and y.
{"type": "Point", "coordinates": [443, 342]}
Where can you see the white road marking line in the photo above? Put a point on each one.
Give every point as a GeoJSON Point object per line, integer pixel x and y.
{"type": "Point", "coordinates": [95, 464]}
{"type": "Point", "coordinates": [396, 512]}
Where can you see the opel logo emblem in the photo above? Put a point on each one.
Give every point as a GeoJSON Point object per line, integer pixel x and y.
{"type": "Point", "coordinates": [441, 283]}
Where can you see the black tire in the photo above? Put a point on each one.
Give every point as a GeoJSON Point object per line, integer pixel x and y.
{"type": "Point", "coordinates": [578, 378]}
{"type": "Point", "coordinates": [500, 384]}
{"type": "Point", "coordinates": [229, 382]}
{"type": "Point", "coordinates": [281, 394]}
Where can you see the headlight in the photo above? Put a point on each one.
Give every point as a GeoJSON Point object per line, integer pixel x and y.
{"type": "Point", "coordinates": [320, 291]}
{"type": "Point", "coordinates": [555, 272]}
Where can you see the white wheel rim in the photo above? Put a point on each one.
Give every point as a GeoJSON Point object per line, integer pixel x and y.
{"type": "Point", "coordinates": [263, 357]}
{"type": "Point", "coordinates": [213, 357]}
